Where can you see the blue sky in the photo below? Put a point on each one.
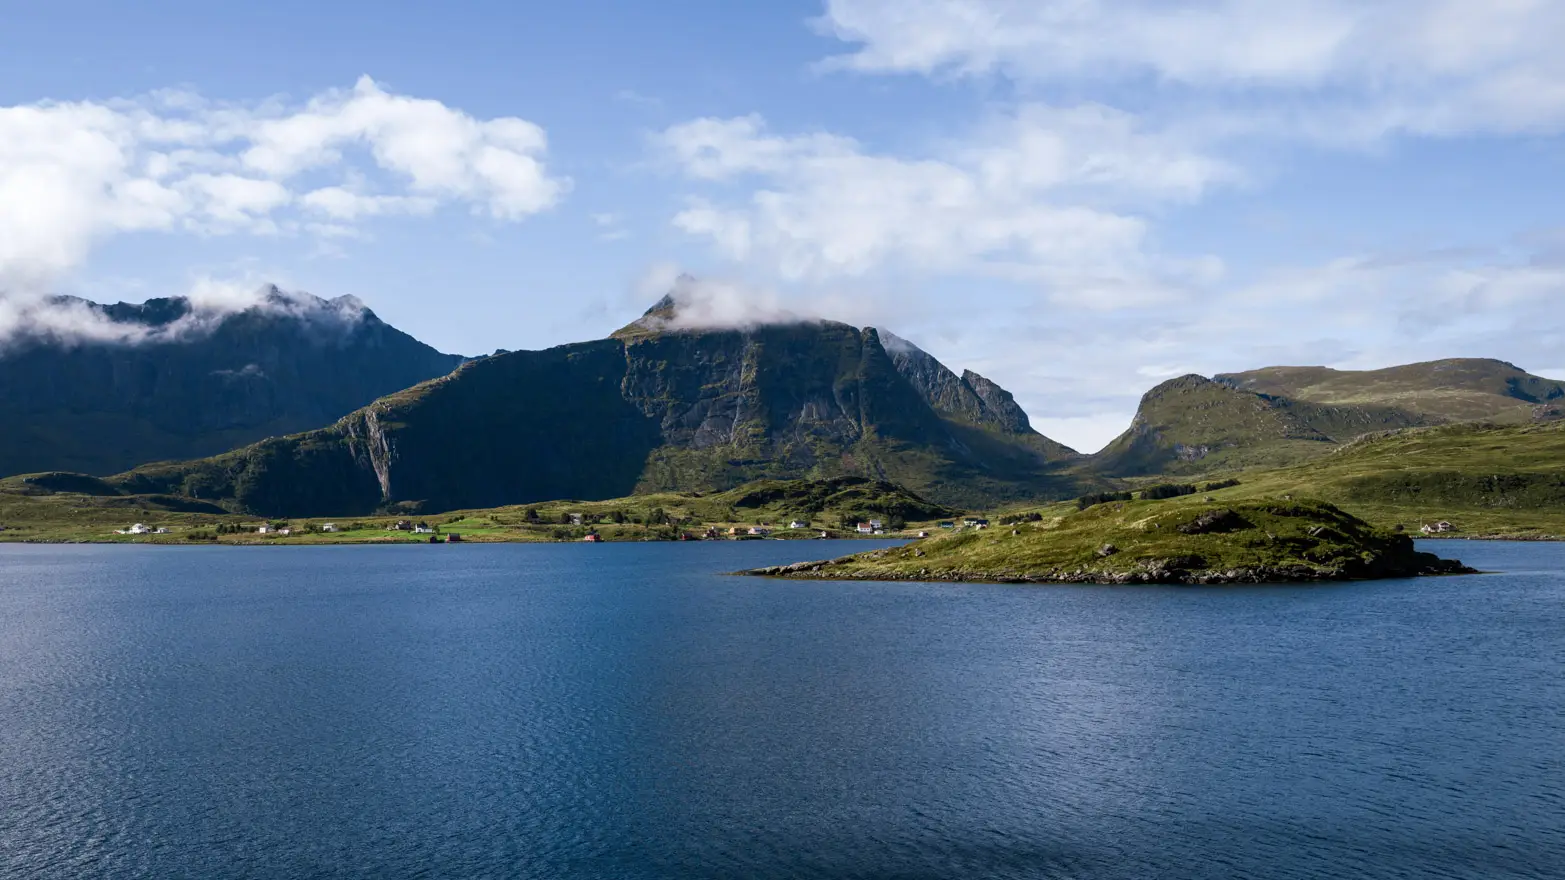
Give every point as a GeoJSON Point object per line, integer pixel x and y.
{"type": "Point", "coordinates": [1077, 199]}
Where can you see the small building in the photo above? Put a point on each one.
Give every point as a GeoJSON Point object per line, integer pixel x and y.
{"type": "Point", "coordinates": [402, 525]}
{"type": "Point", "coordinates": [1437, 528]}
{"type": "Point", "coordinates": [593, 538]}
{"type": "Point", "coordinates": [575, 519]}
{"type": "Point", "coordinates": [453, 538]}
{"type": "Point", "coordinates": [973, 521]}
{"type": "Point", "coordinates": [823, 535]}
{"type": "Point", "coordinates": [876, 524]}
{"type": "Point", "coordinates": [947, 524]}
{"type": "Point", "coordinates": [329, 527]}
{"type": "Point", "coordinates": [264, 530]}
{"type": "Point", "coordinates": [137, 529]}
{"type": "Point", "coordinates": [798, 524]}
{"type": "Point", "coordinates": [923, 534]}
{"type": "Point", "coordinates": [711, 533]}
{"type": "Point", "coordinates": [161, 530]}
{"type": "Point", "coordinates": [758, 532]}
{"type": "Point", "coordinates": [866, 529]}
{"type": "Point", "coordinates": [423, 530]}
{"type": "Point", "coordinates": [285, 531]}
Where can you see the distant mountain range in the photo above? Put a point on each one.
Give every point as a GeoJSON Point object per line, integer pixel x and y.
{"type": "Point", "coordinates": [1281, 415]}
{"type": "Point", "coordinates": [168, 380]}
{"type": "Point", "coordinates": [657, 406]}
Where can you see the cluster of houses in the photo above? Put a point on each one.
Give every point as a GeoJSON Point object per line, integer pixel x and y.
{"type": "Point", "coordinates": [404, 525]}
{"type": "Point", "coordinates": [1437, 528]}
{"type": "Point", "coordinates": [142, 529]}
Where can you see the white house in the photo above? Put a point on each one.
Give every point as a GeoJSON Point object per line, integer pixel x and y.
{"type": "Point", "coordinates": [285, 531]}
{"type": "Point", "coordinates": [264, 530]}
{"type": "Point", "coordinates": [423, 530]}
{"type": "Point", "coordinates": [161, 531]}
{"type": "Point", "coordinates": [137, 529]}
{"type": "Point", "coordinates": [876, 524]}
{"type": "Point", "coordinates": [866, 529]}
{"type": "Point", "coordinates": [759, 532]}
{"type": "Point", "coordinates": [329, 527]}
{"type": "Point", "coordinates": [798, 524]}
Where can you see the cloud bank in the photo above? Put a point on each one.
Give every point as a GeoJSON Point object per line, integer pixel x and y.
{"type": "Point", "coordinates": [70, 321]}
{"type": "Point", "coordinates": [75, 173]}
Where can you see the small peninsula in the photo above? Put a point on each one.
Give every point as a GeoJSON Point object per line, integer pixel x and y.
{"type": "Point", "coordinates": [1151, 542]}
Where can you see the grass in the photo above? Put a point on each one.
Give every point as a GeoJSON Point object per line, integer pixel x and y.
{"type": "Point", "coordinates": [1180, 540]}
{"type": "Point", "coordinates": [69, 508]}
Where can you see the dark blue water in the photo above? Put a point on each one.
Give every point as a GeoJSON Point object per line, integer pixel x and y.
{"type": "Point", "coordinates": [622, 711]}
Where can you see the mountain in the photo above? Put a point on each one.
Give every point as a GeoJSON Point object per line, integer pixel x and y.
{"type": "Point", "coordinates": [1194, 425]}
{"type": "Point", "coordinates": [655, 407]}
{"type": "Point", "coordinates": [1283, 415]}
{"type": "Point", "coordinates": [1440, 391]}
{"type": "Point", "coordinates": [170, 379]}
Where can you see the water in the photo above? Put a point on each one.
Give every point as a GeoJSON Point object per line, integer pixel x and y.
{"type": "Point", "coordinates": [623, 711]}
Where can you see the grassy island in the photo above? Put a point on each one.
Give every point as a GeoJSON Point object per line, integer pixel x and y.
{"type": "Point", "coordinates": [1140, 542]}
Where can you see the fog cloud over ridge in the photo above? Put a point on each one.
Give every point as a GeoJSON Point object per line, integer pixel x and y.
{"type": "Point", "coordinates": [69, 321]}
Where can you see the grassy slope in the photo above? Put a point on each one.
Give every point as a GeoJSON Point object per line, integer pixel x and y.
{"type": "Point", "coordinates": [73, 508]}
{"type": "Point", "coordinates": [1488, 481]}
{"type": "Point", "coordinates": [1280, 416]}
{"type": "Point", "coordinates": [1149, 541]}
{"type": "Point", "coordinates": [1456, 389]}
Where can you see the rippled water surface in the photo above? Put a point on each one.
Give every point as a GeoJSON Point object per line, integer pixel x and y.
{"type": "Point", "coordinates": [624, 711]}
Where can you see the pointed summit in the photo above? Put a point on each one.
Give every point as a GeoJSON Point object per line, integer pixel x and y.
{"type": "Point", "coordinates": [662, 313]}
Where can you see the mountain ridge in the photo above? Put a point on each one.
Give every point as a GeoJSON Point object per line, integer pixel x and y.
{"type": "Point", "coordinates": [103, 388]}
{"type": "Point", "coordinates": [656, 409]}
{"type": "Point", "coordinates": [1281, 415]}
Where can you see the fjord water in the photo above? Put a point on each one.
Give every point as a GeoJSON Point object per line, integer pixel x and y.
{"type": "Point", "coordinates": [627, 711]}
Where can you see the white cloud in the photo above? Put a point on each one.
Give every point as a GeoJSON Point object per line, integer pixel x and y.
{"type": "Point", "coordinates": [1038, 193]}
{"type": "Point", "coordinates": [343, 203]}
{"type": "Point", "coordinates": [71, 321]}
{"type": "Point", "coordinates": [1381, 66]}
{"type": "Point", "coordinates": [72, 174]}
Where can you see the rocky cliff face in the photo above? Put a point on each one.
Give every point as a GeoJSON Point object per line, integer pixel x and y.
{"type": "Point", "coordinates": [688, 410]}
{"type": "Point", "coordinates": [163, 380]}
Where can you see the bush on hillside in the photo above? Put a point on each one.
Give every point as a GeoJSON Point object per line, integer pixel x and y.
{"type": "Point", "coordinates": [1167, 490]}
{"type": "Point", "coordinates": [1087, 501]}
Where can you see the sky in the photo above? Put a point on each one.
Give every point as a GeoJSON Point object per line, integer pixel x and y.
{"type": "Point", "coordinates": [1075, 198]}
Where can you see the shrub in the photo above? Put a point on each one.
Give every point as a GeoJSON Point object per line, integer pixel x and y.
{"type": "Point", "coordinates": [1087, 501]}
{"type": "Point", "coordinates": [1222, 484]}
{"type": "Point", "coordinates": [1167, 490]}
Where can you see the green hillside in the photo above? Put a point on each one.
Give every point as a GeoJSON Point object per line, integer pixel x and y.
{"type": "Point", "coordinates": [1279, 416]}
{"type": "Point", "coordinates": [1447, 390]}
{"type": "Point", "coordinates": [1194, 425]}
{"type": "Point", "coordinates": [1487, 480]}
{"type": "Point", "coordinates": [73, 507]}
